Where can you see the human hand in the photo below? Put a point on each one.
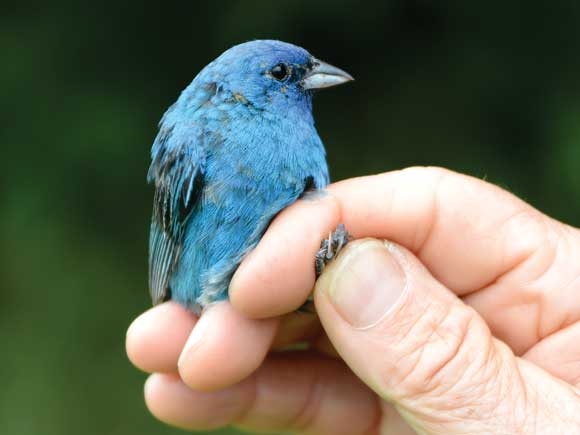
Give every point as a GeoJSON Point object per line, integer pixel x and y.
{"type": "Point", "coordinates": [429, 354]}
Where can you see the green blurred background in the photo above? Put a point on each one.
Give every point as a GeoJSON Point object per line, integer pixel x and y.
{"type": "Point", "coordinates": [487, 88]}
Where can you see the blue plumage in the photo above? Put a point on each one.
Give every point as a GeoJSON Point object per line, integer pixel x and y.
{"type": "Point", "coordinates": [238, 146]}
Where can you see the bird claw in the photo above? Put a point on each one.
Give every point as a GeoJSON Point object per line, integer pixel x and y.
{"type": "Point", "coordinates": [330, 248]}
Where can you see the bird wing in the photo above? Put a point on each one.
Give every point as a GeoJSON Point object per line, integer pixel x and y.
{"type": "Point", "coordinates": [177, 171]}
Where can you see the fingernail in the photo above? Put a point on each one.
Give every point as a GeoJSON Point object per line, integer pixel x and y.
{"type": "Point", "coordinates": [367, 282]}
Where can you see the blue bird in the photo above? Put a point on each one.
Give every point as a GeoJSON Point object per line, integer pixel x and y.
{"type": "Point", "coordinates": [237, 147]}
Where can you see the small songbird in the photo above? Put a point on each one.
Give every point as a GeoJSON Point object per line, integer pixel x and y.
{"type": "Point", "coordinates": [237, 147]}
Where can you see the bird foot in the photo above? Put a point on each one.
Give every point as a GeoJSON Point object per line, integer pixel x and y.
{"type": "Point", "coordinates": [329, 249]}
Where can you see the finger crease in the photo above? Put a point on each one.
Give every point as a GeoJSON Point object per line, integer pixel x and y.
{"type": "Point", "coordinates": [419, 243]}
{"type": "Point", "coordinates": [306, 415]}
{"type": "Point", "coordinates": [251, 401]}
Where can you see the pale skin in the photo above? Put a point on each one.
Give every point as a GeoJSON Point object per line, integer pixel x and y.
{"type": "Point", "coordinates": [480, 334]}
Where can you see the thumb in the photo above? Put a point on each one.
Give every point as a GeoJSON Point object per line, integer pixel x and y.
{"type": "Point", "coordinates": [422, 349]}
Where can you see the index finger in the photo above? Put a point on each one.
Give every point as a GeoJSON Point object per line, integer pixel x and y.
{"type": "Point", "coordinates": [450, 221]}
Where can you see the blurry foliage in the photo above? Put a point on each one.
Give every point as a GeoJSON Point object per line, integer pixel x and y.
{"type": "Point", "coordinates": [487, 88]}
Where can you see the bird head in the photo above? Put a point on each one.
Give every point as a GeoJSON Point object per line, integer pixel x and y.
{"type": "Point", "coordinates": [272, 76]}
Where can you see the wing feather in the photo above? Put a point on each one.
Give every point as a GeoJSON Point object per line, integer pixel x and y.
{"type": "Point", "coordinates": [176, 170]}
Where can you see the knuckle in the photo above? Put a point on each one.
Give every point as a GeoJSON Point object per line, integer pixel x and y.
{"type": "Point", "coordinates": [543, 257]}
{"type": "Point", "coordinates": [442, 351]}
{"type": "Point", "coordinates": [427, 171]}
{"type": "Point", "coordinates": [534, 230]}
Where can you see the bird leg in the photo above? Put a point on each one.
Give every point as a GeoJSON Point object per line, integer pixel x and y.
{"type": "Point", "coordinates": [329, 249]}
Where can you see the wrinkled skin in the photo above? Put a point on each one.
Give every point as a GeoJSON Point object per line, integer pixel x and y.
{"type": "Point", "coordinates": [482, 339]}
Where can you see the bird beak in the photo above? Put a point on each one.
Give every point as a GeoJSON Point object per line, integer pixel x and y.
{"type": "Point", "coordinates": [324, 75]}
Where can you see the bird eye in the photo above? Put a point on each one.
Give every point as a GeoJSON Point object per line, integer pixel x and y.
{"type": "Point", "coordinates": [280, 72]}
